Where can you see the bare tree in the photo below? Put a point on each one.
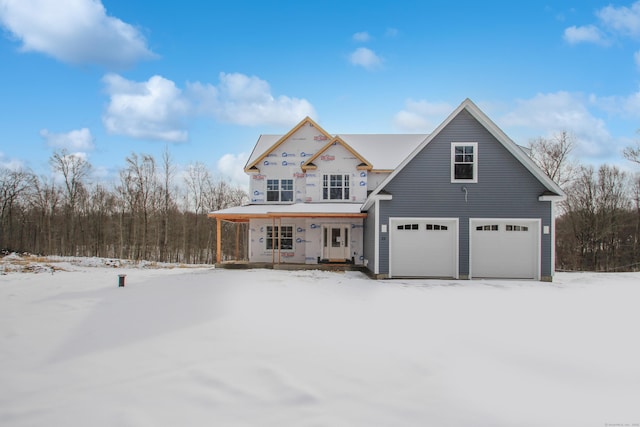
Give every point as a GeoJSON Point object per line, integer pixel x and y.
{"type": "Point", "coordinates": [168, 204]}
{"type": "Point", "coordinates": [633, 153]}
{"type": "Point", "coordinates": [74, 170]}
{"type": "Point", "coordinates": [139, 190]}
{"type": "Point", "coordinates": [595, 211]}
{"type": "Point", "coordinates": [138, 218]}
{"type": "Point", "coordinates": [553, 157]}
{"type": "Point", "coordinates": [14, 184]}
{"type": "Point", "coordinates": [45, 202]}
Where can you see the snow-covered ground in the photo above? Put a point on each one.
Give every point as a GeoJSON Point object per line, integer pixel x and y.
{"type": "Point", "coordinates": [199, 346]}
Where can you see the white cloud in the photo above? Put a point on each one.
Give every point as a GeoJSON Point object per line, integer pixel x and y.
{"type": "Point", "coordinates": [616, 21]}
{"type": "Point", "coordinates": [623, 20]}
{"type": "Point", "coordinates": [157, 109]}
{"type": "Point", "coordinates": [546, 114]}
{"type": "Point", "coordinates": [154, 109]}
{"type": "Point", "coordinates": [391, 32]}
{"type": "Point", "coordinates": [584, 34]}
{"type": "Point", "coordinates": [74, 31]}
{"type": "Point", "coordinates": [361, 37]}
{"type": "Point", "coordinates": [624, 106]}
{"type": "Point", "coordinates": [11, 164]}
{"type": "Point", "coordinates": [231, 166]}
{"type": "Point", "coordinates": [247, 100]}
{"type": "Point", "coordinates": [422, 116]}
{"type": "Point", "coordinates": [76, 140]}
{"type": "Point", "coordinates": [365, 58]}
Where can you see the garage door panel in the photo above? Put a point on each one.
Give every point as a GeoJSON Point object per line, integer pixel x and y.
{"type": "Point", "coordinates": [423, 248]}
{"type": "Point", "coordinates": [505, 248]}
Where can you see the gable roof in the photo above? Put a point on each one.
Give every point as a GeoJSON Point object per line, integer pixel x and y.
{"type": "Point", "coordinates": [364, 165]}
{"type": "Point", "coordinates": [384, 151]}
{"type": "Point", "coordinates": [494, 130]}
{"type": "Point", "coordinates": [254, 160]}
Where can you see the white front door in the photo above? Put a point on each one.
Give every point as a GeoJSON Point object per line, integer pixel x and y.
{"type": "Point", "coordinates": [335, 242]}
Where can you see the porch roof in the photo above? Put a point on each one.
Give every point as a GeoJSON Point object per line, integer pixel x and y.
{"type": "Point", "coordinates": [295, 210]}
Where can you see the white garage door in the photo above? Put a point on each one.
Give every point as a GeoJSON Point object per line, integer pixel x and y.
{"type": "Point", "coordinates": [423, 247]}
{"type": "Point", "coordinates": [505, 248]}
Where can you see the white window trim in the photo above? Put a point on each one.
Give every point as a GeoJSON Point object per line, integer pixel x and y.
{"type": "Point", "coordinates": [280, 190]}
{"type": "Point", "coordinates": [345, 176]}
{"type": "Point", "coordinates": [475, 162]}
{"type": "Point", "coordinates": [279, 238]}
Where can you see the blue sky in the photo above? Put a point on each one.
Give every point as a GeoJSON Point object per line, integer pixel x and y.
{"type": "Point", "coordinates": [206, 78]}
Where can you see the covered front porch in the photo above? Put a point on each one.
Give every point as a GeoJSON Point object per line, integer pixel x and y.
{"type": "Point", "coordinates": [294, 234]}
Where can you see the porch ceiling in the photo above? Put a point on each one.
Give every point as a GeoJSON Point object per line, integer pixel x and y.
{"type": "Point", "coordinates": [297, 210]}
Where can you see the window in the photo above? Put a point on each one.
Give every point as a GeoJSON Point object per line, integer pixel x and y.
{"type": "Point", "coordinates": [437, 227]}
{"type": "Point", "coordinates": [280, 237]}
{"type": "Point", "coordinates": [279, 190]}
{"type": "Point", "coordinates": [408, 227]}
{"type": "Point", "coordinates": [464, 162]}
{"type": "Point", "coordinates": [517, 228]}
{"type": "Point", "coordinates": [335, 187]}
{"type": "Point", "coordinates": [493, 227]}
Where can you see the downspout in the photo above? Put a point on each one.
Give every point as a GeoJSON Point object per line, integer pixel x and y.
{"type": "Point", "coordinates": [376, 250]}
{"type": "Point", "coordinates": [553, 238]}
{"type": "Point", "coordinates": [218, 240]}
{"type": "Point", "coordinates": [273, 240]}
{"type": "Point", "coordinates": [279, 239]}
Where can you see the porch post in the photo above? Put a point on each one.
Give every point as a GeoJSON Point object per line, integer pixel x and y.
{"type": "Point", "coordinates": [218, 240]}
{"type": "Point", "coordinates": [237, 239]}
{"type": "Point", "coordinates": [279, 238]}
{"type": "Point", "coordinates": [273, 240]}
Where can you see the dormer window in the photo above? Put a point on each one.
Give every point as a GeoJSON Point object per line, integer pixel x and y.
{"type": "Point", "coordinates": [279, 190]}
{"type": "Point", "coordinates": [464, 162]}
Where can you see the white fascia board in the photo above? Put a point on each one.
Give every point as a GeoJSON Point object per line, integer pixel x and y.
{"type": "Point", "coordinates": [512, 147]}
{"type": "Point", "coordinates": [488, 124]}
{"type": "Point", "coordinates": [372, 199]}
{"type": "Point", "coordinates": [550, 198]}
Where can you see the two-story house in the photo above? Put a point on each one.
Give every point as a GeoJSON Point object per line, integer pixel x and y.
{"type": "Point", "coordinates": [464, 201]}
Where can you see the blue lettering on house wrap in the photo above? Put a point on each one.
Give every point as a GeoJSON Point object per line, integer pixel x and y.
{"type": "Point", "coordinates": [301, 230]}
{"type": "Point", "coordinates": [362, 183]}
{"type": "Point", "coordinates": [363, 174]}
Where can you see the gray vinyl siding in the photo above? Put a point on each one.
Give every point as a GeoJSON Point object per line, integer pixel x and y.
{"type": "Point", "coordinates": [505, 189]}
{"type": "Point", "coordinates": [370, 238]}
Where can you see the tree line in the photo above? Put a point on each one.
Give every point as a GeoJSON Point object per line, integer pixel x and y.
{"type": "Point", "coordinates": [598, 226]}
{"type": "Point", "coordinates": [151, 212]}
